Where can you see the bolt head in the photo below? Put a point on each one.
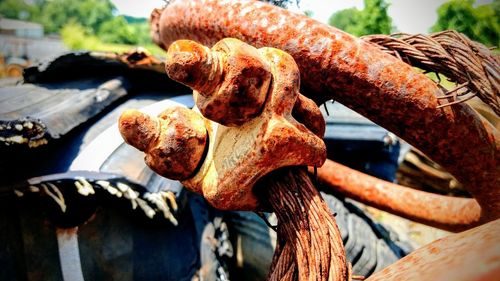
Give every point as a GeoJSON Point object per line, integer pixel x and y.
{"type": "Point", "coordinates": [243, 90]}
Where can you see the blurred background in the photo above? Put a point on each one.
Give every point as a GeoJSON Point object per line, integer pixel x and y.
{"type": "Point", "coordinates": [32, 30]}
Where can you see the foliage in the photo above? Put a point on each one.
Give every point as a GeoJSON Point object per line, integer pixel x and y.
{"type": "Point", "coordinates": [15, 9]}
{"type": "Point", "coordinates": [76, 37]}
{"type": "Point", "coordinates": [142, 33]}
{"type": "Point", "coordinates": [132, 20]}
{"type": "Point", "coordinates": [480, 23]}
{"type": "Point", "coordinates": [93, 19]}
{"type": "Point", "coordinates": [88, 13]}
{"type": "Point", "coordinates": [54, 14]}
{"type": "Point", "coordinates": [117, 30]}
{"type": "Point", "coordinates": [373, 19]}
{"type": "Point", "coordinates": [346, 20]}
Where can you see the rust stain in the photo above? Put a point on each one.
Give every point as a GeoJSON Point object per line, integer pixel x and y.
{"type": "Point", "coordinates": [246, 96]}
{"type": "Point", "coordinates": [67, 231]}
{"type": "Point", "coordinates": [452, 214]}
{"type": "Point", "coordinates": [334, 64]}
{"type": "Point", "coordinates": [231, 73]}
{"type": "Point", "coordinates": [174, 142]}
{"type": "Point", "coordinates": [471, 255]}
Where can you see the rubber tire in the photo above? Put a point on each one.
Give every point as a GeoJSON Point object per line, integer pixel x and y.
{"type": "Point", "coordinates": [369, 246]}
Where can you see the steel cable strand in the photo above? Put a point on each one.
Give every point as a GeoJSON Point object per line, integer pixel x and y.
{"type": "Point", "coordinates": [452, 54]}
{"type": "Point", "coordinates": [309, 244]}
{"type": "Point", "coordinates": [358, 74]}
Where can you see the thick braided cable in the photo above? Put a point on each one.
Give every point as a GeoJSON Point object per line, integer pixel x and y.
{"type": "Point", "coordinates": [309, 245]}
{"type": "Point", "coordinates": [470, 64]}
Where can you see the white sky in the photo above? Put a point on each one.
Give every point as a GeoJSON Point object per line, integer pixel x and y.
{"type": "Point", "coordinates": [411, 16]}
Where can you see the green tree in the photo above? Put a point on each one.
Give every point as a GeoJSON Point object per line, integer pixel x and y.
{"type": "Point", "coordinates": [88, 13]}
{"type": "Point", "coordinates": [140, 29]}
{"type": "Point", "coordinates": [76, 36]}
{"type": "Point", "coordinates": [117, 30]}
{"type": "Point", "coordinates": [142, 32]}
{"type": "Point", "coordinates": [346, 20]}
{"type": "Point", "coordinates": [82, 23]}
{"type": "Point", "coordinates": [15, 9]}
{"type": "Point", "coordinates": [133, 20]}
{"type": "Point", "coordinates": [373, 19]}
{"type": "Point", "coordinates": [480, 23]}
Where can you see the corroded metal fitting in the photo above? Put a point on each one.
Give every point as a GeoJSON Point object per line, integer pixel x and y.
{"type": "Point", "coordinates": [174, 142]}
{"type": "Point", "coordinates": [255, 144]}
{"type": "Point", "coordinates": [231, 80]}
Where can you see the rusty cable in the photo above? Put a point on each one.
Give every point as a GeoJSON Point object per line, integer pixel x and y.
{"type": "Point", "coordinates": [336, 65]}
{"type": "Point", "coordinates": [309, 245]}
{"type": "Point", "coordinates": [452, 54]}
{"type": "Point", "coordinates": [358, 74]}
{"type": "Point", "coordinates": [268, 104]}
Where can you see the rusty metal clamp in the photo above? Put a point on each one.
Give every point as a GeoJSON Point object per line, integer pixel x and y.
{"type": "Point", "coordinates": [249, 102]}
